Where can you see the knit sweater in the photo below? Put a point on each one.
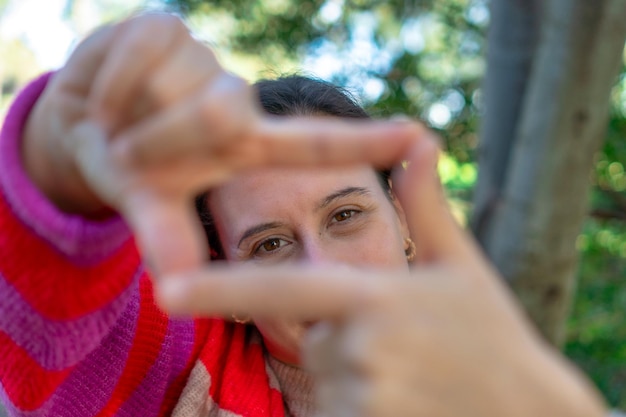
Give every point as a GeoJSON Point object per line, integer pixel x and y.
{"type": "Point", "coordinates": [80, 334]}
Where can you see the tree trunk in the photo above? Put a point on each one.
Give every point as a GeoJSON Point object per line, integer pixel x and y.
{"type": "Point", "coordinates": [511, 44]}
{"type": "Point", "coordinates": [532, 230]}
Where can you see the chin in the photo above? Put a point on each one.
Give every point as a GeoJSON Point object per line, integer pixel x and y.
{"type": "Point", "coordinates": [284, 339]}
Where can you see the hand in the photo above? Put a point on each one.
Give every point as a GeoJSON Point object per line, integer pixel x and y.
{"type": "Point", "coordinates": [142, 118]}
{"type": "Point", "coordinates": [445, 340]}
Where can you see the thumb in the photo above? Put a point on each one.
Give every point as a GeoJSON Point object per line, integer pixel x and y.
{"type": "Point", "coordinates": [431, 224]}
{"type": "Point", "coordinates": [166, 227]}
{"type": "Point", "coordinates": [168, 233]}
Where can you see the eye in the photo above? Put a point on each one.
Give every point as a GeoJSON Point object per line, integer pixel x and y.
{"type": "Point", "coordinates": [344, 215]}
{"type": "Point", "coordinates": [271, 245]}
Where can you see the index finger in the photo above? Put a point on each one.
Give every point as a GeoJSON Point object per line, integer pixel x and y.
{"type": "Point", "coordinates": [279, 291]}
{"type": "Point", "coordinates": [333, 141]}
{"type": "Point", "coordinates": [272, 141]}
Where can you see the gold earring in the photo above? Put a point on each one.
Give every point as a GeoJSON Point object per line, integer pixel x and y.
{"type": "Point", "coordinates": [239, 320]}
{"type": "Point", "coordinates": [411, 250]}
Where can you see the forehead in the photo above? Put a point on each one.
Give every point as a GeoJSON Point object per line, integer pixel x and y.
{"type": "Point", "coordinates": [269, 191]}
{"type": "Point", "coordinates": [289, 183]}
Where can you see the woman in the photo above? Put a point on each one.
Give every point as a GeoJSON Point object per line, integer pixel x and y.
{"type": "Point", "coordinates": [139, 121]}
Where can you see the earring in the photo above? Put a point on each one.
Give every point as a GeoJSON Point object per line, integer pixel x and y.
{"type": "Point", "coordinates": [240, 320]}
{"type": "Point", "coordinates": [411, 250]}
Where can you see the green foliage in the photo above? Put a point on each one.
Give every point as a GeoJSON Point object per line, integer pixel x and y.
{"type": "Point", "coordinates": [459, 179]}
{"type": "Point", "coordinates": [597, 331]}
{"type": "Point", "coordinates": [262, 25]}
{"type": "Point", "coordinates": [22, 68]}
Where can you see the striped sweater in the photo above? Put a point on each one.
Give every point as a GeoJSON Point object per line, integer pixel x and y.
{"type": "Point", "coordinates": [80, 334]}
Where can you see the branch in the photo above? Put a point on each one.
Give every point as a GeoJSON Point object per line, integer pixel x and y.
{"type": "Point", "coordinates": [608, 214]}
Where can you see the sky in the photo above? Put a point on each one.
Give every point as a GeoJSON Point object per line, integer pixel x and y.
{"type": "Point", "coordinates": [44, 31]}
{"type": "Point", "coordinates": [42, 26]}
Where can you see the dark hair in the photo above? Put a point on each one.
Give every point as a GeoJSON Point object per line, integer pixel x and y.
{"type": "Point", "coordinates": [294, 95]}
{"type": "Point", "coordinates": [301, 96]}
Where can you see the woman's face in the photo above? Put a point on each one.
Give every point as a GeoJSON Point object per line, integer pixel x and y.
{"type": "Point", "coordinates": [292, 215]}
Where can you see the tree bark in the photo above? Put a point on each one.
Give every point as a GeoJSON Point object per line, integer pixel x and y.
{"type": "Point", "coordinates": [533, 228]}
{"type": "Point", "coordinates": [511, 43]}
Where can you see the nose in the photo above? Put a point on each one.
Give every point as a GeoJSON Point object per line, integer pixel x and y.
{"type": "Point", "coordinates": [316, 253]}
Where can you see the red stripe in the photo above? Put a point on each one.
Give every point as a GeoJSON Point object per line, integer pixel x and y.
{"type": "Point", "coordinates": [239, 381]}
{"type": "Point", "coordinates": [26, 383]}
{"type": "Point", "coordinates": [246, 367]}
{"type": "Point", "coordinates": [213, 355]}
{"type": "Point", "coordinates": [147, 345]}
{"type": "Point", "coordinates": [57, 288]}
{"type": "Point", "coordinates": [277, 405]}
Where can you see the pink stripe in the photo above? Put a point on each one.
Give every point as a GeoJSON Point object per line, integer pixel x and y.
{"type": "Point", "coordinates": [88, 388]}
{"type": "Point", "coordinates": [177, 348]}
{"type": "Point", "coordinates": [55, 344]}
{"type": "Point", "coordinates": [83, 241]}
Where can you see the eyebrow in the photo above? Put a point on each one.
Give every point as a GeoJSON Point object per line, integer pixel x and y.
{"type": "Point", "coordinates": [258, 229]}
{"type": "Point", "coordinates": [344, 192]}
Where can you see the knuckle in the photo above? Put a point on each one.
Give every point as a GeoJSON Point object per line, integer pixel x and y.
{"type": "Point", "coordinates": [230, 88]}
{"type": "Point", "coordinates": [139, 45]}
{"type": "Point", "coordinates": [151, 34]}
{"type": "Point", "coordinates": [209, 54]}
{"type": "Point", "coordinates": [170, 23]}
{"type": "Point", "coordinates": [221, 105]}
{"type": "Point", "coordinates": [156, 19]}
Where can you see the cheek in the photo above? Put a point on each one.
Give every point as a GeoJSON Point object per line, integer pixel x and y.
{"type": "Point", "coordinates": [382, 248]}
{"type": "Point", "coordinates": [379, 244]}
{"type": "Point", "coordinates": [282, 338]}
